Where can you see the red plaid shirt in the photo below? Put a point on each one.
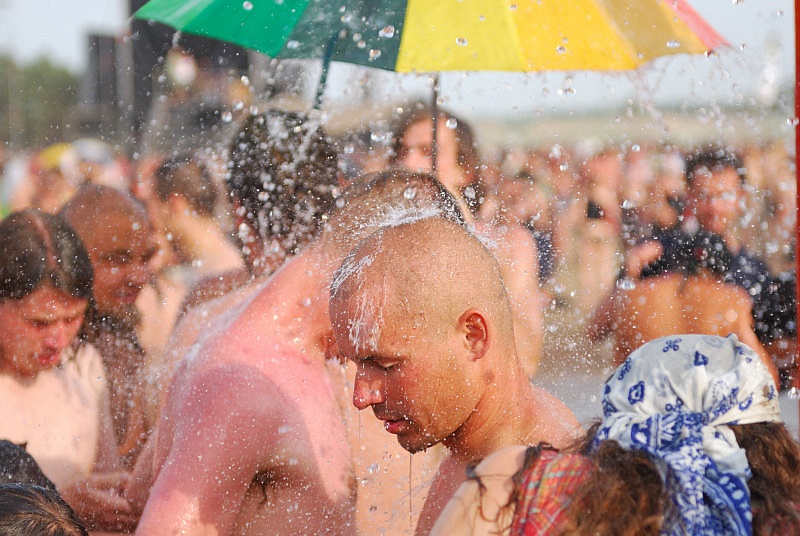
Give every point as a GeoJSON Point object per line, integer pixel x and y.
{"type": "Point", "coordinates": [547, 490]}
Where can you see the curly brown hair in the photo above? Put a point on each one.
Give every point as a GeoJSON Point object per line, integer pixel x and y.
{"type": "Point", "coordinates": [625, 495]}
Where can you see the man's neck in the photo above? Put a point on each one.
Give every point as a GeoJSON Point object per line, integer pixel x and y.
{"type": "Point", "coordinates": [500, 420]}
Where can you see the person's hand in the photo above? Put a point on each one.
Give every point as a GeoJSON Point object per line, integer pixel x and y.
{"type": "Point", "coordinates": [640, 256]}
{"type": "Point", "coordinates": [98, 500]}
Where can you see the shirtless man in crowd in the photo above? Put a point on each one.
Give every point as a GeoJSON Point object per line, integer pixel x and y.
{"type": "Point", "coordinates": [433, 341]}
{"type": "Point", "coordinates": [116, 231]}
{"type": "Point", "coordinates": [252, 438]}
{"type": "Point", "coordinates": [695, 300]}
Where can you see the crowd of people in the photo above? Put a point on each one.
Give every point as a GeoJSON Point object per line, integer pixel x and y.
{"type": "Point", "coordinates": [188, 340]}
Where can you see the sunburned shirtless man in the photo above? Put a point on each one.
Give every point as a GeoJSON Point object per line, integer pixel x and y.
{"type": "Point", "coordinates": [432, 337]}
{"type": "Point", "coordinates": [252, 438]}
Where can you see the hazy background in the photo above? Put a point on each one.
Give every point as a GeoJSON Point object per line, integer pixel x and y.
{"type": "Point", "coordinates": [759, 61]}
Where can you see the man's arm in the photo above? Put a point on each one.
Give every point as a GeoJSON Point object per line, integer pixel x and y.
{"type": "Point", "coordinates": [213, 457]}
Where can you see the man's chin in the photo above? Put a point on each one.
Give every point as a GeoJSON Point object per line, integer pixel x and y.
{"type": "Point", "coordinates": [415, 444]}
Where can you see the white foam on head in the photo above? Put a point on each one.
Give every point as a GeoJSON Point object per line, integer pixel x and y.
{"type": "Point", "coordinates": [489, 236]}
{"type": "Point", "coordinates": [397, 215]}
{"type": "Point", "coordinates": [364, 328]}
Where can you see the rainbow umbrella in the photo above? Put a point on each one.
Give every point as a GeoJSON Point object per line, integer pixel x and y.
{"type": "Point", "coordinates": [449, 35]}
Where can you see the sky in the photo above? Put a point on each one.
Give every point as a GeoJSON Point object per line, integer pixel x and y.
{"type": "Point", "coordinates": [760, 57]}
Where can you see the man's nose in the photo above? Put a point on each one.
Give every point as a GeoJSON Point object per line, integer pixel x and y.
{"type": "Point", "coordinates": [58, 336]}
{"type": "Point", "coordinates": [367, 391]}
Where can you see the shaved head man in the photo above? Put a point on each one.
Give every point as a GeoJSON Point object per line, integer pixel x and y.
{"type": "Point", "coordinates": [254, 435]}
{"type": "Point", "coordinates": [422, 310]}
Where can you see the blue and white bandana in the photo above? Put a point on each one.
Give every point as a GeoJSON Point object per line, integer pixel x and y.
{"type": "Point", "coordinates": [673, 398]}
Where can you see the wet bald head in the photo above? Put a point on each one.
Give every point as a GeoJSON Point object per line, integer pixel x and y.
{"type": "Point", "coordinates": [432, 270]}
{"type": "Point", "coordinates": [381, 199]}
{"type": "Point", "coordinates": [97, 208]}
{"type": "Point", "coordinates": [115, 229]}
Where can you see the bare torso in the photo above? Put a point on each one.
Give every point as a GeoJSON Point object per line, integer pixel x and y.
{"type": "Point", "coordinates": [251, 439]}
{"type": "Point", "coordinates": [674, 303]}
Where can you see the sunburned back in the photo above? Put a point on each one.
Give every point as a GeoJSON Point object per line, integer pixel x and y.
{"type": "Point", "coordinates": [672, 303]}
{"type": "Point", "coordinates": [251, 440]}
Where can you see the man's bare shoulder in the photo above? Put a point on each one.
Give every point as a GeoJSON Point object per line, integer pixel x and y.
{"type": "Point", "coordinates": [551, 420]}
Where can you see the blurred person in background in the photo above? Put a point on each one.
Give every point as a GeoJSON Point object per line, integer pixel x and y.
{"type": "Point", "coordinates": [53, 177]}
{"type": "Point", "coordinates": [459, 169]}
{"type": "Point", "coordinates": [116, 232]}
{"type": "Point", "coordinates": [182, 209]}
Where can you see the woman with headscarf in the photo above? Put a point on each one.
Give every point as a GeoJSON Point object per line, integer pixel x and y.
{"type": "Point", "coordinates": [691, 443]}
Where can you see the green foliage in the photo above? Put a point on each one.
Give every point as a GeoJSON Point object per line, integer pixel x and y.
{"type": "Point", "coordinates": [36, 102]}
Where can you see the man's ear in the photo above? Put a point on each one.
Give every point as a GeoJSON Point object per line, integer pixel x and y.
{"type": "Point", "coordinates": [476, 332]}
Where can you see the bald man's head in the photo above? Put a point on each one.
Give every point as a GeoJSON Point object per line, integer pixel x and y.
{"type": "Point", "coordinates": [116, 231]}
{"type": "Point", "coordinates": [422, 310]}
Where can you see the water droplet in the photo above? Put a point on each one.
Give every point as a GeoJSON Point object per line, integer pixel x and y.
{"type": "Point", "coordinates": [361, 44]}
{"type": "Point", "coordinates": [794, 393]}
{"type": "Point", "coordinates": [561, 49]}
{"type": "Point", "coordinates": [673, 43]}
{"type": "Point", "coordinates": [284, 429]}
{"type": "Point", "coordinates": [378, 136]}
{"type": "Point", "coordinates": [293, 44]}
{"type": "Point", "coordinates": [626, 284]}
{"type": "Point", "coordinates": [306, 302]}
{"type": "Point", "coordinates": [628, 204]}
{"type": "Point", "coordinates": [410, 193]}
{"type": "Point", "coordinates": [451, 123]}
{"type": "Point", "coordinates": [387, 32]}
{"type": "Point", "coordinates": [373, 468]}
{"type": "Point", "coordinates": [461, 41]}
{"type": "Point", "coordinates": [247, 5]}
{"type": "Point", "coordinates": [374, 54]}
{"type": "Point", "coordinates": [792, 121]}
{"type": "Point", "coordinates": [347, 17]}
{"type": "Point", "coordinates": [512, 7]}
{"type": "Point", "coordinates": [349, 148]}
{"type": "Point", "coordinates": [339, 203]}
{"type": "Point", "coordinates": [227, 116]}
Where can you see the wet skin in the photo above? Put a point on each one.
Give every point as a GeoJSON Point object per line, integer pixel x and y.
{"type": "Point", "coordinates": [35, 330]}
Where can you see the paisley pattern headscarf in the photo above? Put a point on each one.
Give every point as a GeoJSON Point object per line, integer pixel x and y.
{"type": "Point", "coordinates": [673, 399]}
